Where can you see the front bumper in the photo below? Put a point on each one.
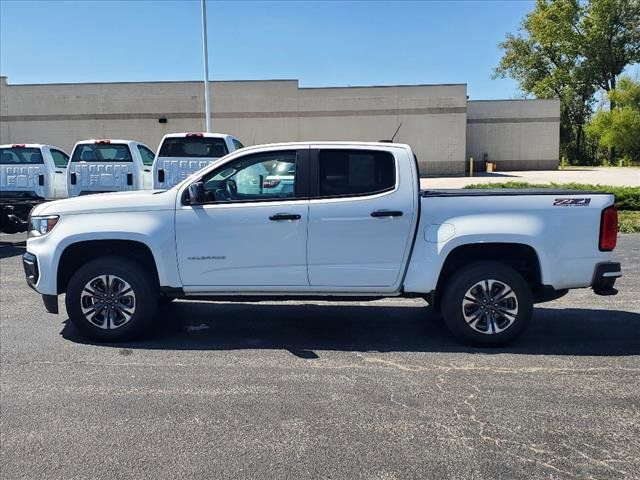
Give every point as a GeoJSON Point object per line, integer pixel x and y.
{"type": "Point", "coordinates": [32, 273]}
{"type": "Point", "coordinates": [604, 278]}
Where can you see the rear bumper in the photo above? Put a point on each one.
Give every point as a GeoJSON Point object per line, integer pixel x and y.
{"type": "Point", "coordinates": [604, 278]}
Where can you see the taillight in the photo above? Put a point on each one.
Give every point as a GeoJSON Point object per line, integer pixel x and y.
{"type": "Point", "coordinates": [608, 229]}
{"type": "Point", "coordinates": [18, 145]}
{"type": "Point", "coordinates": [102, 141]}
{"type": "Point", "coordinates": [194, 135]}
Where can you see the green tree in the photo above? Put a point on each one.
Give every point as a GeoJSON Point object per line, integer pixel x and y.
{"type": "Point", "coordinates": [619, 126]}
{"type": "Point", "coordinates": [568, 49]}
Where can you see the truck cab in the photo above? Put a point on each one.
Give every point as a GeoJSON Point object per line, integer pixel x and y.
{"type": "Point", "coordinates": [100, 166]}
{"type": "Point", "coordinates": [181, 154]}
{"type": "Point", "coordinates": [29, 174]}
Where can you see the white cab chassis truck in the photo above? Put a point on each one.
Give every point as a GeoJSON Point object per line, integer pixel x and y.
{"type": "Point", "coordinates": [181, 154]}
{"type": "Point", "coordinates": [30, 174]}
{"type": "Point", "coordinates": [355, 226]}
{"type": "Point", "coordinates": [100, 166]}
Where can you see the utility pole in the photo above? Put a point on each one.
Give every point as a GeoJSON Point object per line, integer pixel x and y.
{"type": "Point", "coordinates": [205, 55]}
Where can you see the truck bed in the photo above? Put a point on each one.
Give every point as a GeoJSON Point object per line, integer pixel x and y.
{"type": "Point", "coordinates": [504, 192]}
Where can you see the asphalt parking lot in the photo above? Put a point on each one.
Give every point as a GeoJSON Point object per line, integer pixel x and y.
{"type": "Point", "coordinates": [330, 390]}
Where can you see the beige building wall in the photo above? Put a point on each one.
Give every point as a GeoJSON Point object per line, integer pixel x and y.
{"type": "Point", "coordinates": [516, 134]}
{"type": "Point", "coordinates": [436, 120]}
{"type": "Point", "coordinates": [433, 116]}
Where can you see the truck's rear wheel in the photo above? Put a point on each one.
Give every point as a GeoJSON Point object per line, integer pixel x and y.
{"type": "Point", "coordinates": [111, 299]}
{"type": "Point", "coordinates": [487, 304]}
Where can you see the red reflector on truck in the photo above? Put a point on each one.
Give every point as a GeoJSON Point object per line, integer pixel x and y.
{"type": "Point", "coordinates": [608, 229]}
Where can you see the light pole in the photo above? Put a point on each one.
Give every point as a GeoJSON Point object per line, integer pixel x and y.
{"type": "Point", "coordinates": [205, 55]}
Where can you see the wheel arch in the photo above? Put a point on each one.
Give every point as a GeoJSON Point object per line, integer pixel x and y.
{"type": "Point", "coordinates": [521, 257]}
{"type": "Point", "coordinates": [78, 253]}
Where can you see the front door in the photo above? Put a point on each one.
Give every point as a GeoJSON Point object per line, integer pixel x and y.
{"type": "Point", "coordinates": [362, 219]}
{"type": "Point", "coordinates": [251, 234]}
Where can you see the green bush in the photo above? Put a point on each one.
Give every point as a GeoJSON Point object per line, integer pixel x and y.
{"type": "Point", "coordinates": [627, 198]}
{"type": "Point", "coordinates": [628, 222]}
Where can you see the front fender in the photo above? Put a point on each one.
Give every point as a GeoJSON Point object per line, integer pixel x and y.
{"type": "Point", "coordinates": [153, 229]}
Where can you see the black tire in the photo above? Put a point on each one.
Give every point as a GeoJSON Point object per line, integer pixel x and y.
{"type": "Point", "coordinates": [492, 316]}
{"type": "Point", "coordinates": [145, 300]}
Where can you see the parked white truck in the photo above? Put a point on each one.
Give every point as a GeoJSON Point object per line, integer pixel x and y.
{"type": "Point", "coordinates": [355, 225]}
{"type": "Point", "coordinates": [99, 166]}
{"type": "Point", "coordinates": [181, 154]}
{"type": "Point", "coordinates": [29, 174]}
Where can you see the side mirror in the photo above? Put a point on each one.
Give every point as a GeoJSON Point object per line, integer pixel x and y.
{"type": "Point", "coordinates": [196, 193]}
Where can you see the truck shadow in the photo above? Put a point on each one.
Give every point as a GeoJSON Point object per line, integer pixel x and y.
{"type": "Point", "coordinates": [12, 249]}
{"type": "Point", "coordinates": [306, 330]}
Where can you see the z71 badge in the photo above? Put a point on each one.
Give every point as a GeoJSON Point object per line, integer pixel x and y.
{"type": "Point", "coordinates": [571, 202]}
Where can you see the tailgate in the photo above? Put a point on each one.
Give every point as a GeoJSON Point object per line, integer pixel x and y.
{"type": "Point", "coordinates": [94, 177]}
{"type": "Point", "coordinates": [169, 171]}
{"type": "Point", "coordinates": [28, 179]}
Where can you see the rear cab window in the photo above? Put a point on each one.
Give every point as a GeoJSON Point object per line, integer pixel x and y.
{"type": "Point", "coordinates": [355, 172]}
{"type": "Point", "coordinates": [193, 147]}
{"type": "Point", "coordinates": [20, 156]}
{"type": "Point", "coordinates": [101, 152]}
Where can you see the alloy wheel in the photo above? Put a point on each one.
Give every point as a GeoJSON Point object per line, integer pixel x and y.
{"type": "Point", "coordinates": [490, 306]}
{"type": "Point", "coordinates": [108, 302]}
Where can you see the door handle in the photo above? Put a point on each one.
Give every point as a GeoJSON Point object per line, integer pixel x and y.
{"type": "Point", "coordinates": [285, 216]}
{"type": "Point", "coordinates": [386, 213]}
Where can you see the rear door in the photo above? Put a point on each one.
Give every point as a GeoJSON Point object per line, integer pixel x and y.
{"type": "Point", "coordinates": [60, 162]}
{"type": "Point", "coordinates": [179, 157]}
{"type": "Point", "coordinates": [100, 167]}
{"type": "Point", "coordinates": [22, 171]}
{"type": "Point", "coordinates": [362, 217]}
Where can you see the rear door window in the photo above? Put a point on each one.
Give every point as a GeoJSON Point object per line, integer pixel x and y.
{"type": "Point", "coordinates": [20, 155]}
{"type": "Point", "coordinates": [355, 172]}
{"type": "Point", "coordinates": [203, 147]}
{"type": "Point", "coordinates": [60, 159]}
{"type": "Point", "coordinates": [237, 144]}
{"type": "Point", "coordinates": [102, 152]}
{"type": "Point", "coordinates": [147, 155]}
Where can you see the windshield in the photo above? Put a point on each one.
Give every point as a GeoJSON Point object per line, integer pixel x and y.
{"type": "Point", "coordinates": [204, 147]}
{"type": "Point", "coordinates": [101, 152]}
{"type": "Point", "coordinates": [20, 155]}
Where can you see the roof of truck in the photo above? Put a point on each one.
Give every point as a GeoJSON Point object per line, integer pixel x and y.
{"type": "Point", "coordinates": [28, 145]}
{"type": "Point", "coordinates": [105, 140]}
{"type": "Point", "coordinates": [197, 134]}
{"type": "Point", "coordinates": [341, 143]}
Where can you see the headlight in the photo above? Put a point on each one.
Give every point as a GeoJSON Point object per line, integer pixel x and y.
{"type": "Point", "coordinates": [39, 226]}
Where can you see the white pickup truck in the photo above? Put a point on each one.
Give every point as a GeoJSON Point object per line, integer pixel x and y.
{"type": "Point", "coordinates": [354, 225]}
{"type": "Point", "coordinates": [181, 154]}
{"type": "Point", "coordinates": [99, 166]}
{"type": "Point", "coordinates": [29, 174]}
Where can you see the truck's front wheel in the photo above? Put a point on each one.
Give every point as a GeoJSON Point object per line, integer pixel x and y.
{"type": "Point", "coordinates": [111, 299]}
{"type": "Point", "coordinates": [487, 304]}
